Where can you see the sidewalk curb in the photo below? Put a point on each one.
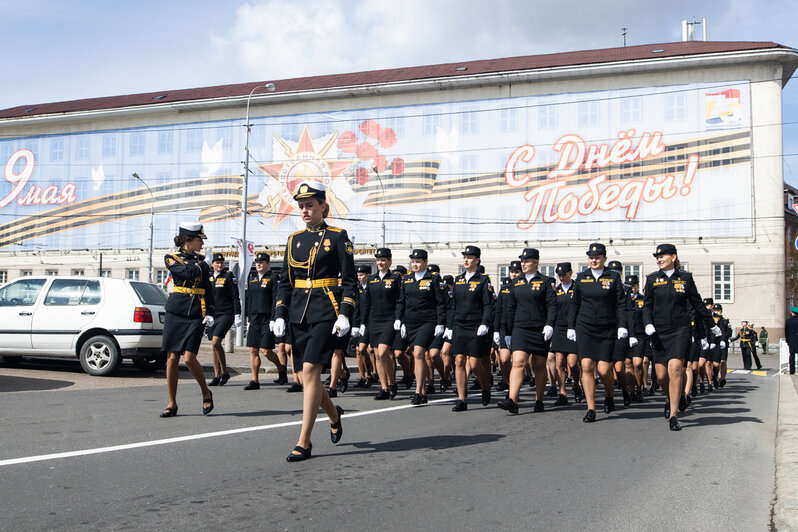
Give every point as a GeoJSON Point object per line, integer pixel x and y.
{"type": "Point", "coordinates": [785, 508]}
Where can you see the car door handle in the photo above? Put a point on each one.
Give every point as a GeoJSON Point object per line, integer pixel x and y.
{"type": "Point", "coordinates": [26, 313]}
{"type": "Point", "coordinates": [87, 312]}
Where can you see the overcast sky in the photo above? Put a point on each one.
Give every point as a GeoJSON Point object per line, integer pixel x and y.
{"type": "Point", "coordinates": [54, 50]}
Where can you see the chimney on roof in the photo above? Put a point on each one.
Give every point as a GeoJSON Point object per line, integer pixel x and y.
{"type": "Point", "coordinates": [688, 29]}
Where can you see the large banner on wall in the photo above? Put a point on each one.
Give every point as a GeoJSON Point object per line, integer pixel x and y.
{"type": "Point", "coordinates": [657, 162]}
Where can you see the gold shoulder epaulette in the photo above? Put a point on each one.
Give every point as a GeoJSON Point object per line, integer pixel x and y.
{"type": "Point", "coordinates": [176, 258]}
{"type": "Point", "coordinates": [334, 229]}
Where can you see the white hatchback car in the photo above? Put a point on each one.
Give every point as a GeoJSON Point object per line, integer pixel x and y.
{"type": "Point", "coordinates": [100, 320]}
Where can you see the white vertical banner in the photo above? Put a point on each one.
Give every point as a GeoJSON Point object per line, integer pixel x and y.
{"type": "Point", "coordinates": [246, 254]}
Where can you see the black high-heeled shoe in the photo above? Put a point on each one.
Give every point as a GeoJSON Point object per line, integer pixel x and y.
{"type": "Point", "coordinates": [335, 437]}
{"type": "Point", "coordinates": [304, 454]}
{"type": "Point", "coordinates": [169, 411]}
{"type": "Point", "coordinates": [207, 409]}
{"type": "Point", "coordinates": [590, 416]}
{"type": "Point", "coordinates": [224, 378]}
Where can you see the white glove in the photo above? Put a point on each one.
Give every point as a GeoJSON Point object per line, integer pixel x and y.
{"type": "Point", "coordinates": [722, 344]}
{"type": "Point", "coordinates": [496, 338]}
{"type": "Point", "coordinates": [713, 346]}
{"type": "Point", "coordinates": [571, 335]}
{"type": "Point", "coordinates": [341, 326]}
{"type": "Point", "coordinates": [397, 325]}
{"type": "Point", "coordinates": [704, 344]}
{"type": "Point", "coordinates": [715, 330]}
{"type": "Point", "coordinates": [271, 326]}
{"type": "Point", "coordinates": [447, 334]}
{"type": "Point", "coordinates": [208, 320]}
{"type": "Point", "coordinates": [632, 341]}
{"type": "Point", "coordinates": [355, 332]}
{"type": "Point", "coordinates": [508, 341]}
{"type": "Point", "coordinates": [548, 332]}
{"type": "Point", "coordinates": [622, 333]}
{"type": "Point", "coordinates": [650, 330]}
{"type": "Point", "coordinates": [279, 327]}
{"type": "Point", "coordinates": [482, 330]}
{"type": "Point", "coordinates": [237, 321]}
{"type": "Point", "coordinates": [362, 329]}
{"type": "Point", "coordinates": [439, 330]}
{"type": "Point", "coordinates": [403, 331]}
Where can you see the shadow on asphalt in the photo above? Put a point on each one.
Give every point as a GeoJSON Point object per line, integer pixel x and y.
{"type": "Point", "coordinates": [435, 443]}
{"type": "Point", "coordinates": [25, 384]}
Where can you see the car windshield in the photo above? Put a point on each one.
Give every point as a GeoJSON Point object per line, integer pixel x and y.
{"type": "Point", "coordinates": [149, 294]}
{"type": "Point", "coordinates": [21, 293]}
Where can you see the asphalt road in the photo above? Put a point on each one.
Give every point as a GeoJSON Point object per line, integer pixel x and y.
{"type": "Point", "coordinates": [395, 468]}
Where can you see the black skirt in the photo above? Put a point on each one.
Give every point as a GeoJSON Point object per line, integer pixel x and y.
{"type": "Point", "coordinates": [596, 343]}
{"type": "Point", "coordinates": [671, 343]}
{"type": "Point", "coordinates": [619, 352]}
{"type": "Point", "coordinates": [502, 342]}
{"type": "Point", "coordinates": [181, 333]}
{"type": "Point", "coordinates": [312, 343]}
{"type": "Point", "coordinates": [420, 334]}
{"type": "Point", "coordinates": [221, 324]}
{"type": "Point", "coordinates": [561, 344]}
{"type": "Point", "coordinates": [695, 351]}
{"type": "Point", "coordinates": [381, 332]}
{"type": "Point", "coordinates": [364, 338]}
{"type": "Point", "coordinates": [466, 342]}
{"type": "Point", "coordinates": [285, 338]}
{"type": "Point", "coordinates": [342, 342]}
{"type": "Point", "coordinates": [437, 342]}
{"type": "Point", "coordinates": [258, 333]}
{"type": "Point", "coordinates": [529, 341]}
{"type": "Point", "coordinates": [639, 350]}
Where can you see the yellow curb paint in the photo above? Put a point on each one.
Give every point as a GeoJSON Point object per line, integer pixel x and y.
{"type": "Point", "coordinates": [760, 373]}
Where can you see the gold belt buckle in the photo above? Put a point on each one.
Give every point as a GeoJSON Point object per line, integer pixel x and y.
{"type": "Point", "coordinates": [308, 283]}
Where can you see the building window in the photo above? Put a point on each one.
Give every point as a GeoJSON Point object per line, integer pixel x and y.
{"type": "Point", "coordinates": [25, 273]}
{"type": "Point", "coordinates": [547, 116]}
{"type": "Point", "coordinates": [630, 110]}
{"type": "Point", "coordinates": [132, 274]}
{"type": "Point", "coordinates": [137, 144]}
{"type": "Point", "coordinates": [469, 122]}
{"type": "Point", "coordinates": [632, 269]}
{"type": "Point", "coordinates": [194, 140]}
{"type": "Point", "coordinates": [165, 141]}
{"type": "Point", "coordinates": [109, 145]}
{"type": "Point", "coordinates": [468, 166]}
{"type": "Point", "coordinates": [509, 119]}
{"type": "Point", "coordinates": [675, 106]}
{"type": "Point", "coordinates": [549, 270]}
{"type": "Point", "coordinates": [161, 275]}
{"type": "Point", "coordinates": [588, 114]}
{"type": "Point", "coordinates": [504, 273]}
{"type": "Point", "coordinates": [397, 123]}
{"type": "Point", "coordinates": [684, 266]}
{"type": "Point", "coordinates": [51, 273]}
{"type": "Point", "coordinates": [3, 276]}
{"type": "Point", "coordinates": [582, 266]}
{"type": "Point", "coordinates": [82, 148]}
{"type": "Point", "coordinates": [57, 150]}
{"type": "Point", "coordinates": [722, 282]}
{"type": "Point", "coordinates": [79, 272]}
{"type": "Point", "coordinates": [292, 131]}
{"type": "Point", "coordinates": [105, 273]}
{"type": "Point", "coordinates": [431, 125]}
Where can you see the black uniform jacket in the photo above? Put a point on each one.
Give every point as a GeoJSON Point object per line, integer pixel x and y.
{"type": "Point", "coordinates": [380, 298]}
{"type": "Point", "coordinates": [563, 298]}
{"type": "Point", "coordinates": [500, 309]}
{"type": "Point", "coordinates": [598, 302]}
{"type": "Point", "coordinates": [531, 304]}
{"type": "Point", "coordinates": [725, 330]}
{"type": "Point", "coordinates": [635, 317]}
{"type": "Point", "coordinates": [422, 301]}
{"type": "Point", "coordinates": [357, 315]}
{"type": "Point", "coordinates": [472, 300]}
{"type": "Point", "coordinates": [791, 332]}
{"type": "Point", "coordinates": [667, 298]}
{"type": "Point", "coordinates": [261, 294]}
{"type": "Point", "coordinates": [309, 289]}
{"type": "Point", "coordinates": [189, 271]}
{"type": "Point", "coordinates": [225, 293]}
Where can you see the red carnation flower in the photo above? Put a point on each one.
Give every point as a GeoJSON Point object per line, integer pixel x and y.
{"type": "Point", "coordinates": [381, 163]}
{"type": "Point", "coordinates": [398, 166]}
{"type": "Point", "coordinates": [362, 175]}
{"type": "Point", "coordinates": [370, 128]}
{"type": "Point", "coordinates": [365, 151]}
{"type": "Point", "coordinates": [347, 142]}
{"type": "Point", "coordinates": [387, 138]}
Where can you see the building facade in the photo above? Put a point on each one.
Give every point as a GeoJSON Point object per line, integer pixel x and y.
{"type": "Point", "coordinates": [676, 142]}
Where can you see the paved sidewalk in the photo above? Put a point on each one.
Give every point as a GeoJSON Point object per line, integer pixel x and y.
{"type": "Point", "coordinates": [785, 508]}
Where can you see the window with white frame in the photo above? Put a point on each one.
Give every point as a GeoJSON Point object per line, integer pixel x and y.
{"type": "Point", "coordinates": [468, 165]}
{"type": "Point", "coordinates": [504, 273]}
{"type": "Point", "coordinates": [632, 269]}
{"type": "Point", "coordinates": [165, 139]}
{"type": "Point", "coordinates": [25, 273]}
{"type": "Point", "coordinates": [675, 106]}
{"type": "Point", "coordinates": [3, 276]}
{"type": "Point", "coordinates": [292, 131]}
{"type": "Point", "coordinates": [548, 269]}
{"type": "Point", "coordinates": [547, 116]}
{"type": "Point", "coordinates": [51, 273]}
{"type": "Point", "coordinates": [132, 274]}
{"type": "Point", "coordinates": [469, 122]}
{"type": "Point", "coordinates": [194, 140]}
{"type": "Point", "coordinates": [588, 114]}
{"type": "Point", "coordinates": [161, 275]}
{"type": "Point", "coordinates": [79, 271]}
{"type": "Point", "coordinates": [136, 144]}
{"type": "Point", "coordinates": [82, 147]}
{"type": "Point", "coordinates": [431, 124]}
{"type": "Point", "coordinates": [56, 150]}
{"type": "Point", "coordinates": [582, 266]}
{"type": "Point", "coordinates": [684, 266]}
{"type": "Point", "coordinates": [509, 119]}
{"type": "Point", "coordinates": [105, 273]}
{"type": "Point", "coordinates": [397, 123]}
{"type": "Point", "coordinates": [630, 110]}
{"type": "Point", "coordinates": [109, 145]}
{"type": "Point", "coordinates": [722, 282]}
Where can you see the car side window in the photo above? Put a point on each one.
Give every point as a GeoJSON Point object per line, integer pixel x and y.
{"type": "Point", "coordinates": [91, 295]}
{"type": "Point", "coordinates": [21, 293]}
{"type": "Point", "coordinates": [66, 292]}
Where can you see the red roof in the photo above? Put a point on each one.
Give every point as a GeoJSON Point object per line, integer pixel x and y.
{"type": "Point", "coordinates": [449, 70]}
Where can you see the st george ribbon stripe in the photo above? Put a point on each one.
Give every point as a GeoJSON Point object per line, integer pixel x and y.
{"type": "Point", "coordinates": [191, 437]}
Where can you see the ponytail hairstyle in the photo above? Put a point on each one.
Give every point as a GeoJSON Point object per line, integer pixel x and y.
{"type": "Point", "coordinates": [182, 240]}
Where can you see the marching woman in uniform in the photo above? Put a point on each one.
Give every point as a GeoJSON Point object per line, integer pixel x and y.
{"type": "Point", "coordinates": [420, 316]}
{"type": "Point", "coordinates": [563, 348]}
{"type": "Point", "coordinates": [434, 358]}
{"type": "Point", "coordinates": [668, 293]}
{"type": "Point", "coordinates": [501, 329]}
{"type": "Point", "coordinates": [378, 312]}
{"type": "Point", "coordinates": [636, 352]}
{"type": "Point", "coordinates": [228, 314]}
{"type": "Point", "coordinates": [318, 308]}
{"type": "Point", "coordinates": [188, 310]}
{"type": "Point", "coordinates": [261, 295]}
{"type": "Point", "coordinates": [531, 311]}
{"type": "Point", "coordinates": [596, 320]}
{"type": "Point", "coordinates": [470, 313]}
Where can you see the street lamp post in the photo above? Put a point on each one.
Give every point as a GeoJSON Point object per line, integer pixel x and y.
{"type": "Point", "coordinates": [152, 217]}
{"type": "Point", "coordinates": [243, 281]}
{"type": "Point", "coordinates": [382, 188]}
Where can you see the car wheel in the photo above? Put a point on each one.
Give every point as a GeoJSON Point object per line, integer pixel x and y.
{"type": "Point", "coordinates": [150, 364]}
{"type": "Point", "coordinates": [11, 362]}
{"type": "Point", "coordinates": [99, 356]}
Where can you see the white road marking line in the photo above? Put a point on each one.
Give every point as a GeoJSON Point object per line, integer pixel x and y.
{"type": "Point", "coordinates": [166, 441]}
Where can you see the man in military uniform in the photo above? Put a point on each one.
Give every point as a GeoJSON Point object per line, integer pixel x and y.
{"type": "Point", "coordinates": [228, 314]}
{"type": "Point", "coordinates": [747, 338]}
{"type": "Point", "coordinates": [763, 339]}
{"type": "Point", "coordinates": [261, 291]}
{"type": "Point", "coordinates": [791, 334]}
